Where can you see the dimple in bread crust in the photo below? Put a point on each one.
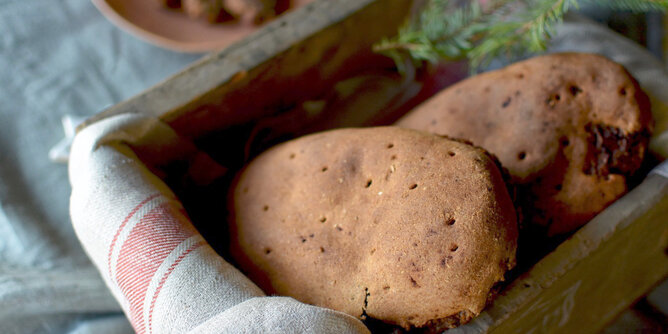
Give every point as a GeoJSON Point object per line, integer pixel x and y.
{"type": "Point", "coordinates": [389, 223]}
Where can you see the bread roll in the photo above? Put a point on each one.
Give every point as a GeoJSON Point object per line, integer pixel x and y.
{"type": "Point", "coordinates": [394, 224]}
{"type": "Point", "coordinates": [570, 128]}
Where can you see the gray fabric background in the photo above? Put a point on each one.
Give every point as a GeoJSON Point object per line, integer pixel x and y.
{"type": "Point", "coordinates": [56, 58]}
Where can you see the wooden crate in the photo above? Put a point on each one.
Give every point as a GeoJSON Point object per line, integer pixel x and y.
{"type": "Point", "coordinates": [580, 287]}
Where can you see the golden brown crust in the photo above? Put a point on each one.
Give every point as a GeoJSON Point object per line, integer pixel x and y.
{"type": "Point", "coordinates": [570, 128]}
{"type": "Point", "coordinates": [389, 223]}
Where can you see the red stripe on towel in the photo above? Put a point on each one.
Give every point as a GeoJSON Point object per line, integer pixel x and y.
{"type": "Point", "coordinates": [149, 243]}
{"type": "Point", "coordinates": [120, 228]}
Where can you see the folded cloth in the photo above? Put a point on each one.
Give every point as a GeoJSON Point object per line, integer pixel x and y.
{"type": "Point", "coordinates": [165, 276]}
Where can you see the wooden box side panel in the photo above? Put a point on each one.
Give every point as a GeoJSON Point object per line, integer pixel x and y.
{"type": "Point", "coordinates": [304, 71]}
{"type": "Point", "coordinates": [295, 57]}
{"type": "Point", "coordinates": [592, 277]}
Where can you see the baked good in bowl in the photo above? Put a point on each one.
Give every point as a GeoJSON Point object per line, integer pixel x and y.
{"type": "Point", "coordinates": [254, 11]}
{"type": "Point", "coordinates": [394, 224]}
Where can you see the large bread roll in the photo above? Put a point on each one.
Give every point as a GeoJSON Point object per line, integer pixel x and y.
{"type": "Point", "coordinates": [394, 224]}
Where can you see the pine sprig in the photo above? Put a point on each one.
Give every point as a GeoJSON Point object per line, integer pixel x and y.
{"type": "Point", "coordinates": [528, 30]}
{"type": "Point", "coordinates": [481, 33]}
{"type": "Point", "coordinates": [432, 38]}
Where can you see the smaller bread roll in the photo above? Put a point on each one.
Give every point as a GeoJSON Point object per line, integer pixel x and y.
{"type": "Point", "coordinates": [394, 224]}
{"type": "Point", "coordinates": [570, 128]}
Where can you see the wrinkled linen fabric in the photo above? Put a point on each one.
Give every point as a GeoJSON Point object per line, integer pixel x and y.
{"type": "Point", "coordinates": [57, 58]}
{"type": "Point", "coordinates": [63, 57]}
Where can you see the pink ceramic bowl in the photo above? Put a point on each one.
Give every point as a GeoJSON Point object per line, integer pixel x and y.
{"type": "Point", "coordinates": [173, 29]}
